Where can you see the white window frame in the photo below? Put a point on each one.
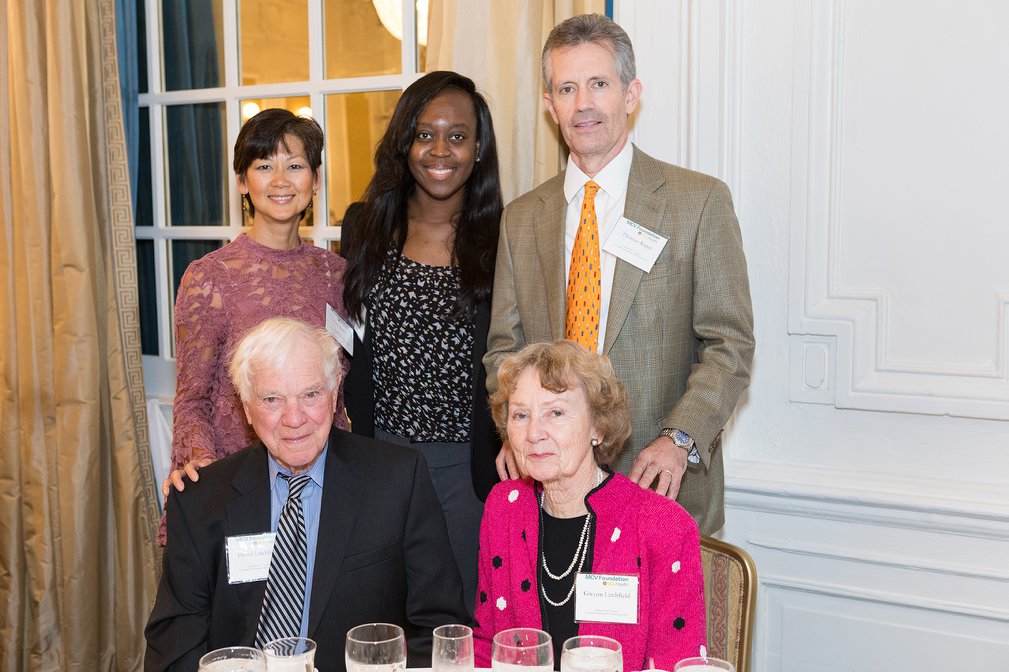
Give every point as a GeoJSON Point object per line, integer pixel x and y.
{"type": "Point", "coordinates": [159, 370]}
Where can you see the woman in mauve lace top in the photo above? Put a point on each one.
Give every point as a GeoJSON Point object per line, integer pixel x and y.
{"type": "Point", "coordinates": [267, 272]}
{"type": "Point", "coordinates": [420, 251]}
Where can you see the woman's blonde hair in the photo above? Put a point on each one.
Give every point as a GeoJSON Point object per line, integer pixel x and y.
{"type": "Point", "coordinates": [563, 365]}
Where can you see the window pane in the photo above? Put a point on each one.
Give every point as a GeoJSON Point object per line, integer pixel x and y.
{"type": "Point", "coordinates": [274, 43]}
{"type": "Point", "coordinates": [358, 42]}
{"type": "Point", "coordinates": [141, 15]}
{"type": "Point", "coordinates": [143, 214]}
{"type": "Point", "coordinates": [197, 175]}
{"type": "Point", "coordinates": [421, 33]}
{"type": "Point", "coordinates": [193, 43]}
{"type": "Point", "coordinates": [296, 104]}
{"type": "Point", "coordinates": [147, 292]}
{"type": "Point", "coordinates": [355, 123]}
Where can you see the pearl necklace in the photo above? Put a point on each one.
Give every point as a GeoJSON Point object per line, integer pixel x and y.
{"type": "Point", "coordinates": [579, 558]}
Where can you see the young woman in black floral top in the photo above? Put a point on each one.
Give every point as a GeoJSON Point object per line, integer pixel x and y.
{"type": "Point", "coordinates": [421, 249]}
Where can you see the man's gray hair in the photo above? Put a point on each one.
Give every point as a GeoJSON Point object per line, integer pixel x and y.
{"type": "Point", "coordinates": [591, 29]}
{"type": "Point", "coordinates": [276, 343]}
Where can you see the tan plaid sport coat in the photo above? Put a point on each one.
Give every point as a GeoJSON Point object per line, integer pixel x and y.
{"type": "Point", "coordinates": [680, 337]}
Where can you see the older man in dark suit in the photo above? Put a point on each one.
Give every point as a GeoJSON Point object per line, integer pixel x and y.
{"type": "Point", "coordinates": [364, 542]}
{"type": "Point", "coordinates": [636, 259]}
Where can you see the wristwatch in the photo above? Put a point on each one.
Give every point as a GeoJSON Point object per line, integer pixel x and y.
{"type": "Point", "coordinates": [683, 440]}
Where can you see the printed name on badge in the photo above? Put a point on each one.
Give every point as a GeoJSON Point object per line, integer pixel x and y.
{"type": "Point", "coordinates": [249, 557]}
{"type": "Point", "coordinates": [634, 244]}
{"type": "Point", "coordinates": [606, 598]}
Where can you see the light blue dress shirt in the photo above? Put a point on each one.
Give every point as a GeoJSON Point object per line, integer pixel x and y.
{"type": "Point", "coordinates": [311, 504]}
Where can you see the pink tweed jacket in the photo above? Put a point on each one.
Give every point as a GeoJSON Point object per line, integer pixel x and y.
{"type": "Point", "coordinates": [636, 532]}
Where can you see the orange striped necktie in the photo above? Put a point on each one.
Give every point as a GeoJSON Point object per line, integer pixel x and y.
{"type": "Point", "coordinates": [584, 279]}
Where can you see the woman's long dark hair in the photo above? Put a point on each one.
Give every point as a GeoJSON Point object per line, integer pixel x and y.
{"type": "Point", "coordinates": [383, 214]}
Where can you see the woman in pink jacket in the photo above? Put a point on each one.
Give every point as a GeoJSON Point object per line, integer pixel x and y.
{"type": "Point", "coordinates": [566, 417]}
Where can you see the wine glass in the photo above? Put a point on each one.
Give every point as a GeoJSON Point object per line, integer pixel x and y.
{"type": "Point", "coordinates": [591, 653]}
{"type": "Point", "coordinates": [452, 649]}
{"type": "Point", "coordinates": [233, 659]}
{"type": "Point", "coordinates": [376, 647]}
{"type": "Point", "coordinates": [290, 654]}
{"type": "Point", "coordinates": [522, 650]}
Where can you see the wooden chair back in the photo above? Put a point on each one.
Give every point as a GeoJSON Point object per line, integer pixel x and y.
{"type": "Point", "coordinates": [730, 598]}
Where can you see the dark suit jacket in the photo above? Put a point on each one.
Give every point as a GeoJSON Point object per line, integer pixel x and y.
{"type": "Point", "coordinates": [383, 555]}
{"type": "Point", "coordinates": [680, 337]}
{"type": "Point", "coordinates": [359, 392]}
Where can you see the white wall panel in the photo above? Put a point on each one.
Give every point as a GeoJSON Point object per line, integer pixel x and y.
{"type": "Point", "coordinates": [892, 229]}
{"type": "Point", "coordinates": [867, 467]}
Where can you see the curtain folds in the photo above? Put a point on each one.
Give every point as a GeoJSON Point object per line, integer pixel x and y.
{"type": "Point", "coordinates": [78, 513]}
{"type": "Point", "coordinates": [498, 45]}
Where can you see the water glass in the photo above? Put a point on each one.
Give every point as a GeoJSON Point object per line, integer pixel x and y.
{"type": "Point", "coordinates": [522, 650]}
{"type": "Point", "coordinates": [591, 653]}
{"type": "Point", "coordinates": [452, 649]}
{"type": "Point", "coordinates": [704, 665]}
{"type": "Point", "coordinates": [233, 659]}
{"type": "Point", "coordinates": [290, 654]}
{"type": "Point", "coordinates": [376, 647]}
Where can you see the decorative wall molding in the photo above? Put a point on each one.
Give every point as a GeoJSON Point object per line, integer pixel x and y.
{"type": "Point", "coordinates": [839, 334]}
{"type": "Point", "coordinates": [692, 66]}
{"type": "Point", "coordinates": [888, 598]}
{"type": "Point", "coordinates": [899, 503]}
{"type": "Point", "coordinates": [903, 562]}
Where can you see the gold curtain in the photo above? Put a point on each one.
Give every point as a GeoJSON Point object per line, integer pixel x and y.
{"type": "Point", "coordinates": [497, 44]}
{"type": "Point", "coordinates": [77, 500]}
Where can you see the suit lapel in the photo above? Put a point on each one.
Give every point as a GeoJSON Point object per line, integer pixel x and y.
{"type": "Point", "coordinates": [643, 206]}
{"type": "Point", "coordinates": [548, 228]}
{"type": "Point", "coordinates": [342, 492]}
{"type": "Point", "coordinates": [249, 513]}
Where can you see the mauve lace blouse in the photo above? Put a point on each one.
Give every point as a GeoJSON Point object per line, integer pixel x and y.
{"type": "Point", "coordinates": [221, 297]}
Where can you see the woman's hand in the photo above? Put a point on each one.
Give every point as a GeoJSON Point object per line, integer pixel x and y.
{"type": "Point", "coordinates": [190, 469]}
{"type": "Point", "coordinates": [505, 463]}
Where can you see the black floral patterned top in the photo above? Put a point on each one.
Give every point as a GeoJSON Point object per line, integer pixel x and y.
{"type": "Point", "coordinates": [423, 373]}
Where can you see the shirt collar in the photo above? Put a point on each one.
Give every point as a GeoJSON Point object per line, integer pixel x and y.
{"type": "Point", "coordinates": [316, 473]}
{"type": "Point", "coordinates": [612, 179]}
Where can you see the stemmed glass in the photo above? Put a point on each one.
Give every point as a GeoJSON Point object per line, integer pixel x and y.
{"type": "Point", "coordinates": [233, 659]}
{"type": "Point", "coordinates": [591, 653]}
{"type": "Point", "coordinates": [522, 650]}
{"type": "Point", "coordinates": [376, 647]}
{"type": "Point", "coordinates": [452, 649]}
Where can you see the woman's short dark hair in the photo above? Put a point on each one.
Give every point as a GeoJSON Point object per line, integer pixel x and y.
{"type": "Point", "coordinates": [561, 366]}
{"type": "Point", "coordinates": [383, 220]}
{"type": "Point", "coordinates": [264, 133]}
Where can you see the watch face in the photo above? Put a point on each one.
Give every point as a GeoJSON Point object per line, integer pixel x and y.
{"type": "Point", "coordinates": [682, 439]}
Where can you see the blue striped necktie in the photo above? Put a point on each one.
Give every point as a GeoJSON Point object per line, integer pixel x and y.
{"type": "Point", "coordinates": [285, 588]}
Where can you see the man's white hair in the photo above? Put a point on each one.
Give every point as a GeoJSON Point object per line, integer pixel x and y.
{"type": "Point", "coordinates": [277, 343]}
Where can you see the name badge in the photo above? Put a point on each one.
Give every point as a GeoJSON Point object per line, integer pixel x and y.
{"type": "Point", "coordinates": [249, 557]}
{"type": "Point", "coordinates": [634, 244]}
{"type": "Point", "coordinates": [606, 598]}
{"type": "Point", "coordinates": [340, 329]}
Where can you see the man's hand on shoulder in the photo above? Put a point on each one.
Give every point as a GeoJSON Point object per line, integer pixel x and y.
{"type": "Point", "coordinates": [664, 459]}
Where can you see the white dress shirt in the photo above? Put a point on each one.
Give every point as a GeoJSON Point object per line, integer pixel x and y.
{"type": "Point", "coordinates": [610, 199]}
